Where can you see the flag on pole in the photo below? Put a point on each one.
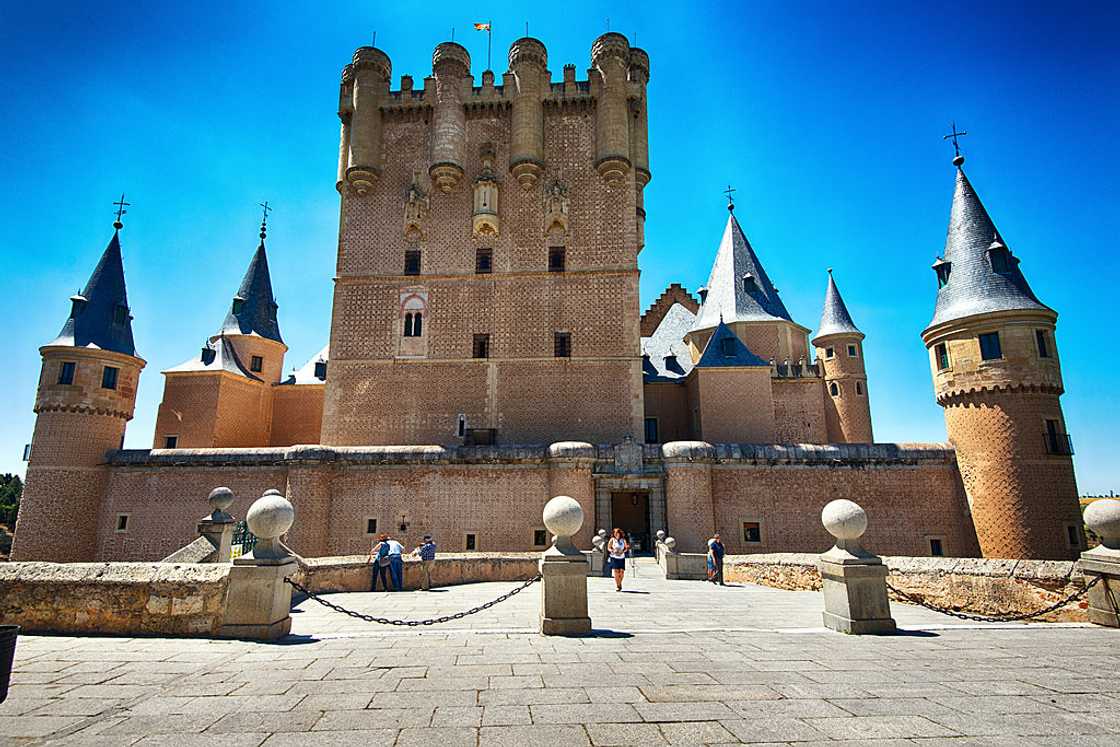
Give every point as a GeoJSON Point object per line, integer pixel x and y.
{"type": "Point", "coordinates": [482, 26]}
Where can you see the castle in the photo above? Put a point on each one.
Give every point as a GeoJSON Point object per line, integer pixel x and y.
{"type": "Point", "coordinates": [487, 352]}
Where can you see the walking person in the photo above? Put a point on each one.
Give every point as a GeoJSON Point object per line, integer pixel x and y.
{"type": "Point", "coordinates": [617, 547]}
{"type": "Point", "coordinates": [427, 554]}
{"type": "Point", "coordinates": [715, 560]}
{"type": "Point", "coordinates": [379, 560]}
{"type": "Point", "coordinates": [396, 562]}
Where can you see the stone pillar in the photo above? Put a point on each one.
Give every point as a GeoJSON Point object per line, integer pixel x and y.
{"type": "Point", "coordinates": [563, 572]}
{"type": "Point", "coordinates": [218, 526]}
{"type": "Point", "coordinates": [258, 601]}
{"type": "Point", "coordinates": [854, 581]}
{"type": "Point", "coordinates": [1103, 517]}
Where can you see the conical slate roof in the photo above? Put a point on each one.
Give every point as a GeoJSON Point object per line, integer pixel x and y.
{"type": "Point", "coordinates": [734, 352]}
{"type": "Point", "coordinates": [217, 355]}
{"type": "Point", "coordinates": [978, 282]}
{"type": "Point", "coordinates": [835, 319]}
{"type": "Point", "coordinates": [738, 288]}
{"type": "Point", "coordinates": [256, 312]}
{"type": "Point", "coordinates": [99, 316]}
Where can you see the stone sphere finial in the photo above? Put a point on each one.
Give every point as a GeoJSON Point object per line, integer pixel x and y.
{"type": "Point", "coordinates": [844, 519]}
{"type": "Point", "coordinates": [670, 542]}
{"type": "Point", "coordinates": [563, 517]}
{"type": "Point", "coordinates": [220, 499]}
{"type": "Point", "coordinates": [269, 518]}
{"type": "Point", "coordinates": [661, 534]}
{"type": "Point", "coordinates": [1103, 518]}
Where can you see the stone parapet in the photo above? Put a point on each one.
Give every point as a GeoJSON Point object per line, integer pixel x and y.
{"type": "Point", "coordinates": [114, 598]}
{"type": "Point", "coordinates": [354, 572]}
{"type": "Point", "coordinates": [982, 585]}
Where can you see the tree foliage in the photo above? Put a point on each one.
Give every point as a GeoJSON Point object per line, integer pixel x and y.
{"type": "Point", "coordinates": [11, 488]}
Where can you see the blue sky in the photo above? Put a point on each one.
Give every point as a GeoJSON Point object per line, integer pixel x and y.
{"type": "Point", "coordinates": [826, 117]}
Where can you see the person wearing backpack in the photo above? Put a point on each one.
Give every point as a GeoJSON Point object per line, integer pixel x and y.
{"type": "Point", "coordinates": [379, 559]}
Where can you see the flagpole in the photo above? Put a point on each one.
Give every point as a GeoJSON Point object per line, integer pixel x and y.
{"type": "Point", "coordinates": [489, 39]}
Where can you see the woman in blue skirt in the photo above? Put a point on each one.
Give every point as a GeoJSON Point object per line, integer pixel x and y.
{"type": "Point", "coordinates": [617, 546]}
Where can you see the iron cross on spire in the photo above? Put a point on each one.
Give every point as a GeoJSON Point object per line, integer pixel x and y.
{"type": "Point", "coordinates": [264, 217]}
{"type": "Point", "coordinates": [953, 136]}
{"type": "Point", "coordinates": [730, 199]}
{"type": "Point", "coordinates": [121, 205]}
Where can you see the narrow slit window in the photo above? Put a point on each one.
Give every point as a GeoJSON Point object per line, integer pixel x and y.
{"type": "Point", "coordinates": [66, 372]}
{"type": "Point", "coordinates": [556, 259]}
{"type": "Point", "coordinates": [859, 388]}
{"type": "Point", "coordinates": [122, 523]}
{"type": "Point", "coordinates": [481, 346]}
{"type": "Point", "coordinates": [256, 364]}
{"type": "Point", "coordinates": [834, 389]}
{"type": "Point", "coordinates": [472, 542]}
{"type": "Point", "coordinates": [651, 431]}
{"type": "Point", "coordinates": [1043, 341]}
{"type": "Point", "coordinates": [109, 377]}
{"type": "Point", "coordinates": [941, 351]}
{"type": "Point", "coordinates": [484, 261]}
{"type": "Point", "coordinates": [562, 345]}
{"type": "Point", "coordinates": [412, 262]}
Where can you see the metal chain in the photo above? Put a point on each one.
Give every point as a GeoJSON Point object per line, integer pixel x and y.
{"type": "Point", "coordinates": [411, 623]}
{"type": "Point", "coordinates": [995, 618]}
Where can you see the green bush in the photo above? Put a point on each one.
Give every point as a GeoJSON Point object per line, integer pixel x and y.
{"type": "Point", "coordinates": [11, 487]}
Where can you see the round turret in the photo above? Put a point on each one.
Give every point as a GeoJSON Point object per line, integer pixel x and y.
{"type": "Point", "coordinates": [365, 82]}
{"type": "Point", "coordinates": [528, 61]}
{"type": "Point", "coordinates": [610, 57]}
{"type": "Point", "coordinates": [451, 63]}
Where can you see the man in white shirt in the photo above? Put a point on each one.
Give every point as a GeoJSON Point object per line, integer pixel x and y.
{"type": "Point", "coordinates": [396, 563]}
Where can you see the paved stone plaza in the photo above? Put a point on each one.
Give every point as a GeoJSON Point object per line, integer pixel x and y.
{"type": "Point", "coordinates": [674, 662]}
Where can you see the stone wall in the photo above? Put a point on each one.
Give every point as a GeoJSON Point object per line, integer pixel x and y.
{"type": "Point", "coordinates": [114, 598]}
{"type": "Point", "coordinates": [983, 586]}
{"type": "Point", "coordinates": [354, 572]}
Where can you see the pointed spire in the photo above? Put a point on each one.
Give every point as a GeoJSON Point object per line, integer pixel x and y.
{"type": "Point", "coordinates": [253, 311]}
{"type": "Point", "coordinates": [725, 349]}
{"type": "Point", "coordinates": [99, 314]}
{"type": "Point", "coordinates": [738, 288]}
{"type": "Point", "coordinates": [978, 273]}
{"type": "Point", "coordinates": [835, 319]}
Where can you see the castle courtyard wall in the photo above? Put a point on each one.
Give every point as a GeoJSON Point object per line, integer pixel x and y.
{"type": "Point", "coordinates": [497, 494]}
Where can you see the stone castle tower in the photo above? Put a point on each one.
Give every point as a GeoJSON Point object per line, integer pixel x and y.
{"type": "Point", "coordinates": [86, 396]}
{"type": "Point", "coordinates": [839, 345]}
{"type": "Point", "coordinates": [487, 278]}
{"type": "Point", "coordinates": [996, 373]}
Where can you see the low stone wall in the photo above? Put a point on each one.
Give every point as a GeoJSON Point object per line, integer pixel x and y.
{"type": "Point", "coordinates": [114, 598]}
{"type": "Point", "coordinates": [354, 572]}
{"type": "Point", "coordinates": [986, 586]}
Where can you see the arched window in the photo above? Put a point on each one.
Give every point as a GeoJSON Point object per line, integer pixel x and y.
{"type": "Point", "coordinates": [413, 308]}
{"type": "Point", "coordinates": [408, 325]}
{"type": "Point", "coordinates": [418, 325]}
{"type": "Point", "coordinates": [834, 389]}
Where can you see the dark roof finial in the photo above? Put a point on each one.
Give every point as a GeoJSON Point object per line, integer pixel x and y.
{"type": "Point", "coordinates": [264, 218]}
{"type": "Point", "coordinates": [730, 200]}
{"type": "Point", "coordinates": [958, 159]}
{"type": "Point", "coordinates": [121, 205]}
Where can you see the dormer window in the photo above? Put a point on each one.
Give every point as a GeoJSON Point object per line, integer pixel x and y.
{"type": "Point", "coordinates": [703, 293]}
{"type": "Point", "coordinates": [727, 347]}
{"type": "Point", "coordinates": [208, 355]}
{"type": "Point", "coordinates": [238, 304]}
{"type": "Point", "coordinates": [750, 285]}
{"type": "Point", "coordinates": [942, 268]}
{"type": "Point", "coordinates": [77, 303]}
{"type": "Point", "coordinates": [321, 370]}
{"type": "Point", "coordinates": [1000, 257]}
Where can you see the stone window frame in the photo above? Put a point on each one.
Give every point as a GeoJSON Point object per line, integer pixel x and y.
{"type": "Point", "coordinates": [994, 334]}
{"type": "Point", "coordinates": [62, 372]}
{"type": "Point", "coordinates": [483, 261]}
{"type": "Point", "coordinates": [743, 531]}
{"type": "Point", "coordinates": [413, 261]}
{"type": "Point", "coordinates": [414, 310]}
{"type": "Point", "coordinates": [558, 258]}
{"type": "Point", "coordinates": [860, 391]}
{"type": "Point", "coordinates": [940, 540]}
{"type": "Point", "coordinates": [467, 541]}
{"type": "Point", "coordinates": [941, 352]}
{"type": "Point", "coordinates": [376, 524]}
{"type": "Point", "coordinates": [834, 389]}
{"type": "Point", "coordinates": [480, 346]}
{"type": "Point", "coordinates": [171, 441]}
{"type": "Point", "coordinates": [853, 350]}
{"type": "Point", "coordinates": [561, 344]}
{"type": "Point", "coordinates": [110, 380]}
{"type": "Point", "coordinates": [537, 530]}
{"type": "Point", "coordinates": [829, 353]}
{"type": "Point", "coordinates": [120, 527]}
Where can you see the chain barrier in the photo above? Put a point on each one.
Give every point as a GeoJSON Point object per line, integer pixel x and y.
{"type": "Point", "coordinates": [995, 618]}
{"type": "Point", "coordinates": [411, 623]}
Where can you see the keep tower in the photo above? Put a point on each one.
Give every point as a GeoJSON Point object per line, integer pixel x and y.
{"type": "Point", "coordinates": [997, 375]}
{"type": "Point", "coordinates": [839, 345]}
{"type": "Point", "coordinates": [86, 396]}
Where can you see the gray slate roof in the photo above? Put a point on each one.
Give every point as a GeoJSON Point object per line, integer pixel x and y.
{"type": "Point", "coordinates": [257, 315]}
{"type": "Point", "coordinates": [92, 322]}
{"type": "Point", "coordinates": [305, 374]}
{"type": "Point", "coordinates": [715, 356]}
{"type": "Point", "coordinates": [218, 354]}
{"type": "Point", "coordinates": [727, 296]}
{"type": "Point", "coordinates": [974, 287]}
{"type": "Point", "coordinates": [665, 356]}
{"type": "Point", "coordinates": [835, 319]}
